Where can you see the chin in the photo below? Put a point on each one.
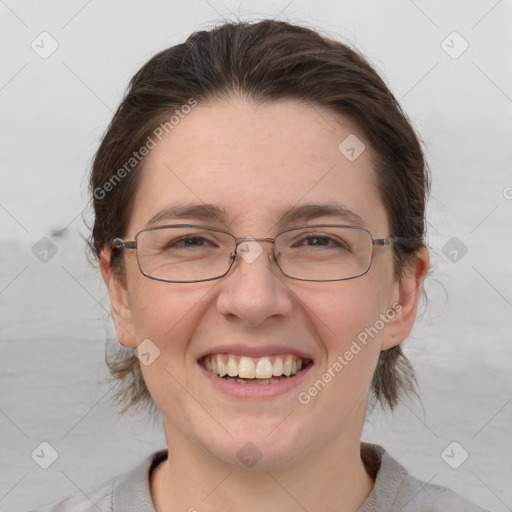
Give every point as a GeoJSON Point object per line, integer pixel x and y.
{"type": "Point", "coordinates": [257, 444]}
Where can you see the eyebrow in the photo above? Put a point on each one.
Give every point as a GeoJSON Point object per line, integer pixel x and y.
{"type": "Point", "coordinates": [296, 214]}
{"type": "Point", "coordinates": [306, 212]}
{"type": "Point", "coordinates": [192, 211]}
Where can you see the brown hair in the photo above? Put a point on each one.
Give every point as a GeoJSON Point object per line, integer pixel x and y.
{"type": "Point", "coordinates": [268, 60]}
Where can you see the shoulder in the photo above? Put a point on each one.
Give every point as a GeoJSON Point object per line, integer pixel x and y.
{"type": "Point", "coordinates": [98, 498]}
{"type": "Point", "coordinates": [129, 491]}
{"type": "Point", "coordinates": [396, 490]}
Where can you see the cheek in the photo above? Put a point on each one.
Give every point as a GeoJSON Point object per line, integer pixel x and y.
{"type": "Point", "coordinates": [349, 324]}
{"type": "Point", "coordinates": [347, 308]}
{"type": "Point", "coordinates": [168, 315]}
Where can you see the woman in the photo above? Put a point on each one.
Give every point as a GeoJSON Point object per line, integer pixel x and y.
{"type": "Point", "coordinates": [259, 202]}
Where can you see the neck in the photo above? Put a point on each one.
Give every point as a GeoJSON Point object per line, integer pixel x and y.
{"type": "Point", "coordinates": [193, 480]}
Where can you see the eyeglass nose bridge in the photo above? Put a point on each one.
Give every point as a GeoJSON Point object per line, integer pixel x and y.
{"type": "Point", "coordinates": [249, 255]}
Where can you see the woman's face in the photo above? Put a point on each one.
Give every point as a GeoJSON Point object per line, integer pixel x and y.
{"type": "Point", "coordinates": [253, 163]}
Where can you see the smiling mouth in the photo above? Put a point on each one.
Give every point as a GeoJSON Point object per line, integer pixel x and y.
{"type": "Point", "coordinates": [249, 370]}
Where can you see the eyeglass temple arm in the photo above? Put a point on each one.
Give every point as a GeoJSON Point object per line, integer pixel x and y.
{"type": "Point", "coordinates": [387, 241]}
{"type": "Point", "coordinates": [117, 243]}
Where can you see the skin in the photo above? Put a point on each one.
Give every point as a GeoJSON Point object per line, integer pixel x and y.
{"type": "Point", "coordinates": [253, 160]}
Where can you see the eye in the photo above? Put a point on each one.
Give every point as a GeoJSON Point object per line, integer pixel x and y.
{"type": "Point", "coordinates": [321, 240]}
{"type": "Point", "coordinates": [189, 241]}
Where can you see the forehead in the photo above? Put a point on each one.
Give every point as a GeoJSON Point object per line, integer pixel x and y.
{"type": "Point", "coordinates": [254, 161]}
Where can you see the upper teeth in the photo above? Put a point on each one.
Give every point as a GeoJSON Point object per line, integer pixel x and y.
{"type": "Point", "coordinates": [250, 368]}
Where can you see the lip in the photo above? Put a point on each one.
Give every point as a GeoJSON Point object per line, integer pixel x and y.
{"type": "Point", "coordinates": [254, 390]}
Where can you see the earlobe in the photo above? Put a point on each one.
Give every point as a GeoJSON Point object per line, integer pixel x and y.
{"type": "Point", "coordinates": [119, 303]}
{"type": "Point", "coordinates": [408, 294]}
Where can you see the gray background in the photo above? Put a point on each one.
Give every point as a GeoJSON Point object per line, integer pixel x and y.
{"type": "Point", "coordinates": [54, 315]}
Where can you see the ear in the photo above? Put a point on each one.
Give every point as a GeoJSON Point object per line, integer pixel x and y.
{"type": "Point", "coordinates": [405, 300]}
{"type": "Point", "coordinates": [119, 303]}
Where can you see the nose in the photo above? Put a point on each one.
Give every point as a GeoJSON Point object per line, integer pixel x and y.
{"type": "Point", "coordinates": [254, 289]}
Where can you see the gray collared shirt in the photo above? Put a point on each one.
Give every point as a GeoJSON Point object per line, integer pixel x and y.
{"type": "Point", "coordinates": [395, 490]}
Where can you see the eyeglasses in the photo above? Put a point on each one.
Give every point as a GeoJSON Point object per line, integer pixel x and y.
{"type": "Point", "coordinates": [186, 253]}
